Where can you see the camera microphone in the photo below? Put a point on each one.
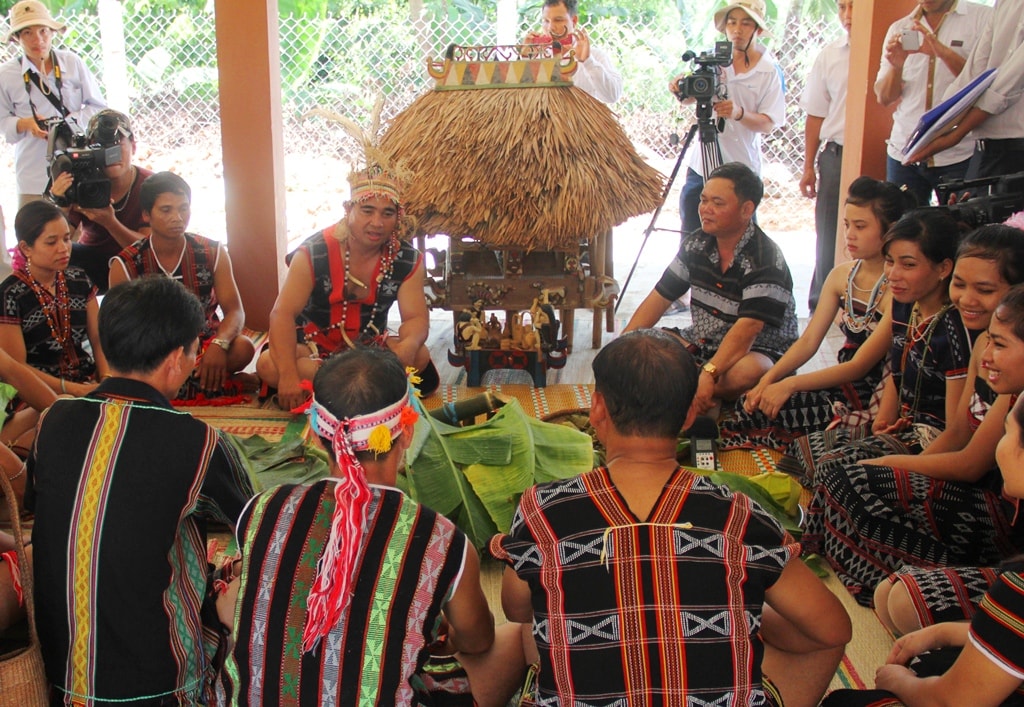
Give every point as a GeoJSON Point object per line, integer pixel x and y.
{"type": "Point", "coordinates": [689, 55]}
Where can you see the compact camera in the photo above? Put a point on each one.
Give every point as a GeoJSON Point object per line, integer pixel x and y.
{"type": "Point", "coordinates": [910, 39]}
{"type": "Point", "coordinates": [702, 82]}
{"type": "Point", "coordinates": [87, 162]}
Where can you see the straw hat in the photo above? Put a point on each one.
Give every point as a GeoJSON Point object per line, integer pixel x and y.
{"type": "Point", "coordinates": [29, 13]}
{"type": "Point", "coordinates": [755, 8]}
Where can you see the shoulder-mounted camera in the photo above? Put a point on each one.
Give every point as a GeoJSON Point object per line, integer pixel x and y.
{"type": "Point", "coordinates": [68, 151]}
{"type": "Point", "coordinates": [991, 200]}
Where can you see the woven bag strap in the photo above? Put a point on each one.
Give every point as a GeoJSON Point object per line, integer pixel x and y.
{"type": "Point", "coordinates": [26, 569]}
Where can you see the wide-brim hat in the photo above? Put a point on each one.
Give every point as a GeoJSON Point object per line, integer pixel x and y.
{"type": "Point", "coordinates": [29, 13]}
{"type": "Point", "coordinates": [754, 8]}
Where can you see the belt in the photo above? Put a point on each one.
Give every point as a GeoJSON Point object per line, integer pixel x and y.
{"type": "Point", "coordinates": [1015, 144]}
{"type": "Point", "coordinates": [834, 147]}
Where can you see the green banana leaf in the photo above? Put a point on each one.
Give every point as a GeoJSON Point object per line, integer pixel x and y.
{"type": "Point", "coordinates": [7, 393]}
{"type": "Point", "coordinates": [298, 64]}
{"type": "Point", "coordinates": [750, 486]}
{"type": "Point", "coordinates": [270, 464]}
{"type": "Point", "coordinates": [475, 475]}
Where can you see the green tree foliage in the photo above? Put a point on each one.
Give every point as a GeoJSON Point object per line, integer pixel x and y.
{"type": "Point", "coordinates": [60, 7]}
{"type": "Point", "coordinates": [306, 50]}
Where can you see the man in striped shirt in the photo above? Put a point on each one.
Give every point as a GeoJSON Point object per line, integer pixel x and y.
{"type": "Point", "coordinates": [123, 486]}
{"type": "Point", "coordinates": [744, 314]}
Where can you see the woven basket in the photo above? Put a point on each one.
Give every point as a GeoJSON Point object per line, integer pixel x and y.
{"type": "Point", "coordinates": [22, 675]}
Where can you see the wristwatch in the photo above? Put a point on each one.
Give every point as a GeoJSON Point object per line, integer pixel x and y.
{"type": "Point", "coordinates": [223, 343]}
{"type": "Point", "coordinates": [711, 369]}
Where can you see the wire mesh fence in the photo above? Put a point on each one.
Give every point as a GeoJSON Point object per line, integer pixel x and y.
{"type": "Point", "coordinates": [343, 63]}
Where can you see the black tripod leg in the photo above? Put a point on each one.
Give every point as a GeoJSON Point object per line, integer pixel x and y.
{"type": "Point", "coordinates": [657, 212]}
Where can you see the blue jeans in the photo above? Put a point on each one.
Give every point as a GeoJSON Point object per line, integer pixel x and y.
{"type": "Point", "coordinates": [922, 180]}
{"type": "Point", "coordinates": [689, 201]}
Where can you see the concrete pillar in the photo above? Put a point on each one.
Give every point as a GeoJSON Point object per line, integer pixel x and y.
{"type": "Point", "coordinates": [249, 73]}
{"type": "Point", "coordinates": [868, 123]}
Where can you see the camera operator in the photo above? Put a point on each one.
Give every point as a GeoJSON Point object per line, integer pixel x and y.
{"type": "Point", "coordinates": [755, 104]}
{"type": "Point", "coordinates": [923, 54]}
{"type": "Point", "coordinates": [103, 232]}
{"type": "Point", "coordinates": [43, 86]}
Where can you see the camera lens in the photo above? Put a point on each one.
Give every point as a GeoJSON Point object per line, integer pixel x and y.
{"type": "Point", "coordinates": [106, 132]}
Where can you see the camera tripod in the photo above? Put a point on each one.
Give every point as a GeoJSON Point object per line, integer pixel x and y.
{"type": "Point", "coordinates": [710, 157]}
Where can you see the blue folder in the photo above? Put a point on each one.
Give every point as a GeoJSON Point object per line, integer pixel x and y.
{"type": "Point", "coordinates": [939, 119]}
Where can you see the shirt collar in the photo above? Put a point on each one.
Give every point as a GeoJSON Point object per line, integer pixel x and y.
{"type": "Point", "coordinates": [27, 65]}
{"type": "Point", "coordinates": [711, 246]}
{"type": "Point", "coordinates": [767, 62]}
{"type": "Point", "coordinates": [745, 239]}
{"type": "Point", "coordinates": [130, 390]}
{"type": "Point", "coordinates": [956, 8]}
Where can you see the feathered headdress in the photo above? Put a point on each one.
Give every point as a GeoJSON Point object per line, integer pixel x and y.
{"type": "Point", "coordinates": [378, 175]}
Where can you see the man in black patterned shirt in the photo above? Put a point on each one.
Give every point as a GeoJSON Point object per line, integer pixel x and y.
{"type": "Point", "coordinates": [744, 314]}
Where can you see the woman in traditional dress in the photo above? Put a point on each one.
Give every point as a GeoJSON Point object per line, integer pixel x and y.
{"type": "Point", "coordinates": [990, 666]}
{"type": "Point", "coordinates": [870, 520]}
{"type": "Point", "coordinates": [928, 349]}
{"type": "Point", "coordinates": [778, 409]}
{"type": "Point", "coordinates": [50, 309]}
{"type": "Point", "coordinates": [913, 597]}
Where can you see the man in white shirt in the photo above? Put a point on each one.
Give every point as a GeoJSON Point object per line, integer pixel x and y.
{"type": "Point", "coordinates": [916, 79]}
{"type": "Point", "coordinates": [824, 99]}
{"type": "Point", "coordinates": [996, 119]}
{"type": "Point", "coordinates": [41, 85]}
{"type": "Point", "coordinates": [594, 71]}
{"type": "Point", "coordinates": [755, 103]}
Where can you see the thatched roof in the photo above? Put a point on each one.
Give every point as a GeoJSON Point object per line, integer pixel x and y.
{"type": "Point", "coordinates": [529, 167]}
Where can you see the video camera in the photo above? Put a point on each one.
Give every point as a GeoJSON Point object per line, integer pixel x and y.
{"type": "Point", "coordinates": [71, 152]}
{"type": "Point", "coordinates": [702, 82]}
{"type": "Point", "coordinates": [992, 200]}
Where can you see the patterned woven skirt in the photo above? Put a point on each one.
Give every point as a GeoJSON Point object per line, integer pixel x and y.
{"type": "Point", "coordinates": [815, 454]}
{"type": "Point", "coordinates": [946, 594]}
{"type": "Point", "coordinates": [870, 521]}
{"type": "Point", "coordinates": [804, 413]}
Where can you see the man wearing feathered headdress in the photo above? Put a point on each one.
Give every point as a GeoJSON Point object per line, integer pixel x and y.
{"type": "Point", "coordinates": [342, 281]}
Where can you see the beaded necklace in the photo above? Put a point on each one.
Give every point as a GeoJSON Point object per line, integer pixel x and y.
{"type": "Point", "coordinates": [915, 336]}
{"type": "Point", "coordinates": [57, 311]}
{"type": "Point", "coordinates": [858, 323]}
{"type": "Point", "coordinates": [387, 262]}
